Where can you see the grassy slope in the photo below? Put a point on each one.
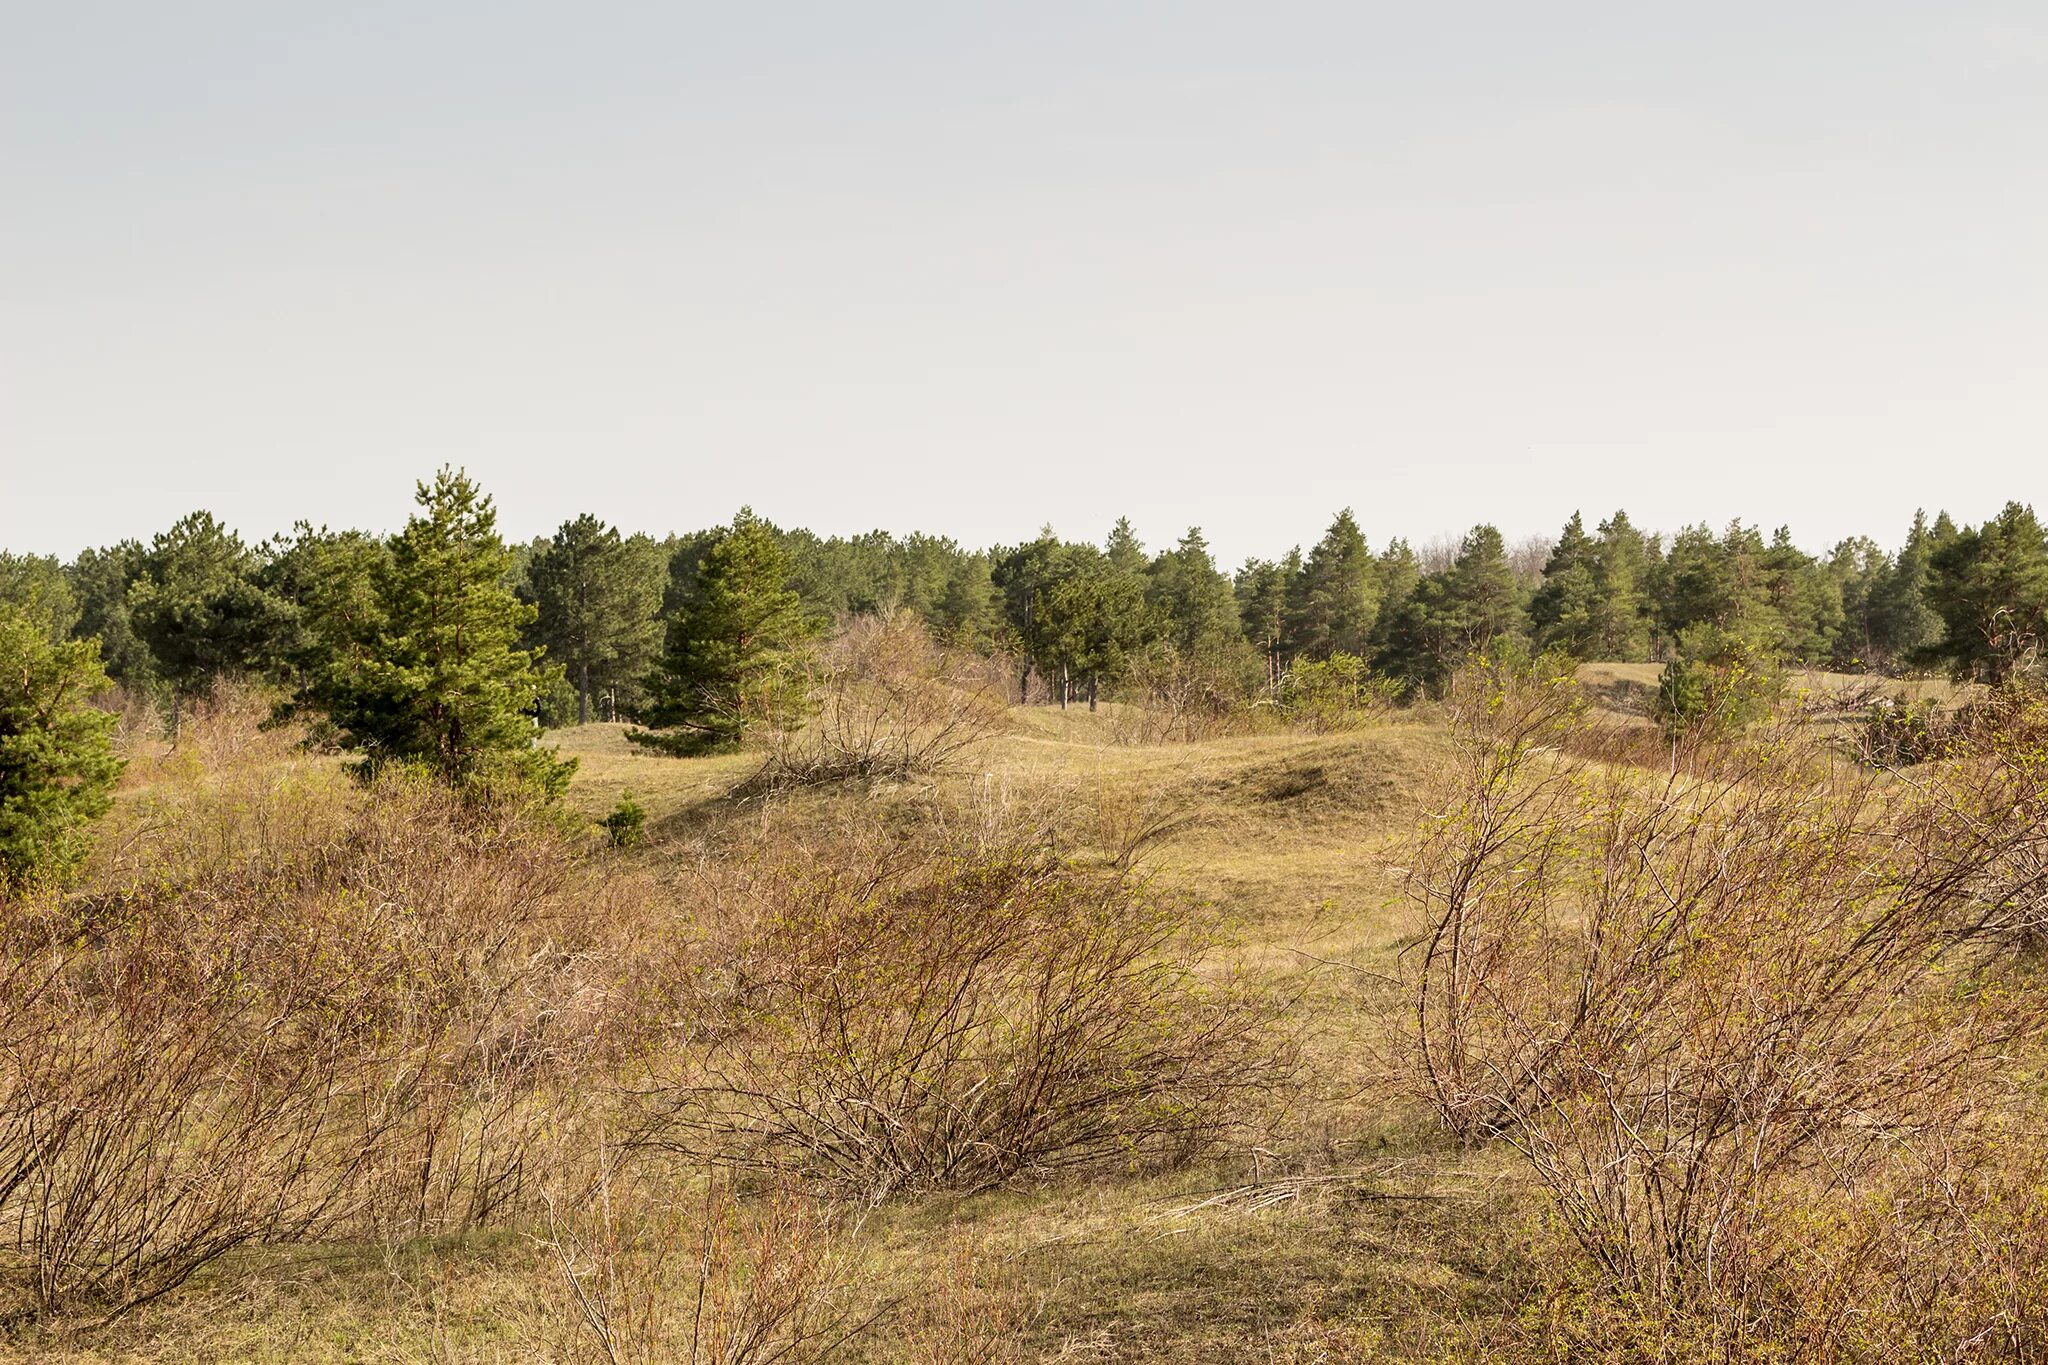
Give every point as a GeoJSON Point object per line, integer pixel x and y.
{"type": "Point", "coordinates": [1287, 836]}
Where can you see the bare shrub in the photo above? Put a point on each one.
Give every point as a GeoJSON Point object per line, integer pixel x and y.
{"type": "Point", "coordinates": [289, 1007]}
{"type": "Point", "coordinates": [220, 731]}
{"type": "Point", "coordinates": [1336, 694]}
{"type": "Point", "coordinates": [899, 1020]}
{"type": "Point", "coordinates": [144, 1133]}
{"type": "Point", "coordinates": [1944, 1255]}
{"type": "Point", "coordinates": [1185, 698]}
{"type": "Point", "coordinates": [1704, 1006]}
{"type": "Point", "coordinates": [645, 1270]}
{"type": "Point", "coordinates": [1897, 732]}
{"type": "Point", "coordinates": [892, 704]}
{"type": "Point", "coordinates": [1121, 826]}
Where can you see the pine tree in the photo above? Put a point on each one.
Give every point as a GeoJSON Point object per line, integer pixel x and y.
{"type": "Point", "coordinates": [1123, 551]}
{"type": "Point", "coordinates": [100, 583]}
{"type": "Point", "coordinates": [1485, 592]}
{"type": "Point", "coordinates": [1022, 575]}
{"type": "Point", "coordinates": [1719, 582]}
{"type": "Point", "coordinates": [57, 764]}
{"type": "Point", "coordinates": [441, 680]}
{"type": "Point", "coordinates": [1471, 607]}
{"type": "Point", "coordinates": [1625, 564]}
{"type": "Point", "coordinates": [1078, 614]}
{"type": "Point", "coordinates": [197, 606]}
{"type": "Point", "coordinates": [1261, 591]}
{"type": "Point", "coordinates": [1115, 616]}
{"type": "Point", "coordinates": [37, 586]}
{"type": "Point", "coordinates": [1696, 585]}
{"type": "Point", "coordinates": [1859, 568]}
{"type": "Point", "coordinates": [876, 573]}
{"type": "Point", "coordinates": [596, 596]}
{"type": "Point", "coordinates": [1805, 598]}
{"type": "Point", "coordinates": [326, 583]}
{"type": "Point", "coordinates": [1565, 610]}
{"type": "Point", "coordinates": [964, 613]}
{"type": "Point", "coordinates": [1398, 574]}
{"type": "Point", "coordinates": [947, 586]}
{"type": "Point", "coordinates": [1903, 627]}
{"type": "Point", "coordinates": [1094, 620]}
{"type": "Point", "coordinates": [736, 648]}
{"type": "Point", "coordinates": [1335, 599]}
{"type": "Point", "coordinates": [1989, 585]}
{"type": "Point", "coordinates": [1191, 599]}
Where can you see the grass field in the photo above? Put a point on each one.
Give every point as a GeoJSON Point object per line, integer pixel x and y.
{"type": "Point", "coordinates": [1282, 836]}
{"type": "Point", "coordinates": [1348, 1228]}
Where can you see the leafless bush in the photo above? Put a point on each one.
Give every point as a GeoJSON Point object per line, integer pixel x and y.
{"type": "Point", "coordinates": [1121, 826]}
{"type": "Point", "coordinates": [892, 704]}
{"type": "Point", "coordinates": [219, 732]}
{"type": "Point", "coordinates": [144, 1133]}
{"type": "Point", "coordinates": [1943, 1256]}
{"type": "Point", "coordinates": [1331, 695]}
{"type": "Point", "coordinates": [1692, 1002]}
{"type": "Point", "coordinates": [646, 1271]}
{"type": "Point", "coordinates": [289, 1007]}
{"type": "Point", "coordinates": [923, 1020]}
{"type": "Point", "coordinates": [1178, 698]}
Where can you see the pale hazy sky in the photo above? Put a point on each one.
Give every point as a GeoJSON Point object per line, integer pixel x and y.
{"type": "Point", "coordinates": [975, 267]}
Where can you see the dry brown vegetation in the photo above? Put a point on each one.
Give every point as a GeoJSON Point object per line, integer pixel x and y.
{"type": "Point", "coordinates": [890, 1017]}
{"type": "Point", "coordinates": [892, 704]}
{"type": "Point", "coordinates": [1504, 1029]}
{"type": "Point", "coordinates": [1745, 1018]}
{"type": "Point", "coordinates": [291, 1009]}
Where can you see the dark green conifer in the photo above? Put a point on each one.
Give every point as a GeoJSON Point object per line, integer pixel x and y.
{"type": "Point", "coordinates": [1989, 585]}
{"type": "Point", "coordinates": [441, 680]}
{"type": "Point", "coordinates": [1335, 599]}
{"type": "Point", "coordinates": [736, 650]}
{"type": "Point", "coordinates": [57, 764]}
{"type": "Point", "coordinates": [1565, 610]}
{"type": "Point", "coordinates": [596, 597]}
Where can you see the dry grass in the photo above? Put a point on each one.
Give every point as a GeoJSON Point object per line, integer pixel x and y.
{"type": "Point", "coordinates": [1351, 1229]}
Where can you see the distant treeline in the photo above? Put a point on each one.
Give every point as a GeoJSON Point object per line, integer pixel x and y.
{"type": "Point", "coordinates": [1081, 618]}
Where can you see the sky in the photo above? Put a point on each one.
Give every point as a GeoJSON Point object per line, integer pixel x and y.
{"type": "Point", "coordinates": [974, 268]}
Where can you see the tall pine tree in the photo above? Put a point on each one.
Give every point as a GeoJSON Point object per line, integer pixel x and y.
{"type": "Point", "coordinates": [1472, 606]}
{"type": "Point", "coordinates": [736, 648]}
{"type": "Point", "coordinates": [1335, 599]}
{"type": "Point", "coordinates": [100, 583]}
{"type": "Point", "coordinates": [37, 586]}
{"type": "Point", "coordinates": [1903, 626]}
{"type": "Point", "coordinates": [1989, 585]}
{"type": "Point", "coordinates": [196, 604]}
{"type": "Point", "coordinates": [1626, 563]}
{"type": "Point", "coordinates": [441, 680]}
{"type": "Point", "coordinates": [1261, 592]}
{"type": "Point", "coordinates": [596, 596]}
{"type": "Point", "coordinates": [1193, 601]}
{"type": "Point", "coordinates": [57, 764]}
{"type": "Point", "coordinates": [1564, 611]}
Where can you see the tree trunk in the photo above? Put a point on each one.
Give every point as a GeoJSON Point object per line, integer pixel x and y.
{"type": "Point", "coordinates": [1024, 686]}
{"type": "Point", "coordinates": [1094, 690]}
{"type": "Point", "coordinates": [1066, 687]}
{"type": "Point", "coordinates": [583, 694]}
